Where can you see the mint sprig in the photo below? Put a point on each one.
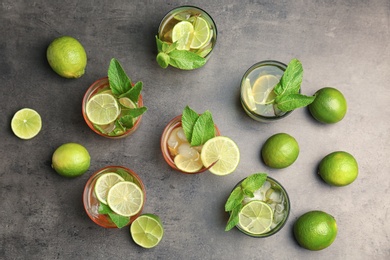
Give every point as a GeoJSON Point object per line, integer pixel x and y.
{"type": "Point", "coordinates": [168, 54]}
{"type": "Point", "coordinates": [246, 188]}
{"type": "Point", "coordinates": [118, 220]}
{"type": "Point", "coordinates": [287, 90]}
{"type": "Point", "coordinates": [197, 128]}
{"type": "Point", "coordinates": [121, 86]}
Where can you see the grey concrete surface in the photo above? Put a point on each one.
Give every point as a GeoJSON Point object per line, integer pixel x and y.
{"type": "Point", "coordinates": [341, 43]}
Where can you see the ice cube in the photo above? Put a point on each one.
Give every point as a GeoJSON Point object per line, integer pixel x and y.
{"type": "Point", "coordinates": [173, 139]}
{"type": "Point", "coordinates": [187, 151]}
{"type": "Point", "coordinates": [279, 208]}
{"type": "Point", "coordinates": [276, 196]}
{"type": "Point", "coordinates": [181, 135]}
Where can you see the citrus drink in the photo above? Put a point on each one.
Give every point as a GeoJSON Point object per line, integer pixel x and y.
{"type": "Point", "coordinates": [257, 93]}
{"type": "Point", "coordinates": [270, 206]}
{"type": "Point", "coordinates": [114, 180]}
{"type": "Point", "coordinates": [102, 110]}
{"type": "Point", "coordinates": [178, 152]}
{"type": "Point", "coordinates": [191, 27]}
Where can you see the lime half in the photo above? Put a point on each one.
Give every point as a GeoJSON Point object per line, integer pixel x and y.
{"type": "Point", "coordinates": [222, 151]}
{"type": "Point", "coordinates": [104, 184]}
{"type": "Point", "coordinates": [147, 230]}
{"type": "Point", "coordinates": [201, 33]}
{"type": "Point", "coordinates": [26, 123]}
{"type": "Point", "coordinates": [125, 198]}
{"type": "Point", "coordinates": [102, 109]}
{"type": "Point", "coordinates": [183, 33]}
{"type": "Point", "coordinates": [256, 217]}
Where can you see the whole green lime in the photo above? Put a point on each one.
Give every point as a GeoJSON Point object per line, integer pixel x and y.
{"type": "Point", "coordinates": [329, 106]}
{"type": "Point", "coordinates": [280, 151]}
{"type": "Point", "coordinates": [315, 230]}
{"type": "Point", "coordinates": [67, 57]}
{"type": "Point", "coordinates": [71, 160]}
{"type": "Point", "coordinates": [338, 168]}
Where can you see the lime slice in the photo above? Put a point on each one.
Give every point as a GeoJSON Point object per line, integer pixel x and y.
{"type": "Point", "coordinates": [223, 152]}
{"type": "Point", "coordinates": [147, 230]}
{"type": "Point", "coordinates": [186, 164]}
{"type": "Point", "coordinates": [125, 198]}
{"type": "Point", "coordinates": [201, 33]}
{"type": "Point", "coordinates": [104, 184]}
{"type": "Point", "coordinates": [183, 33]}
{"type": "Point", "coordinates": [263, 89]}
{"type": "Point", "coordinates": [26, 123]}
{"type": "Point", "coordinates": [248, 95]}
{"type": "Point", "coordinates": [256, 217]}
{"type": "Point", "coordinates": [127, 103]}
{"type": "Point", "coordinates": [102, 109]}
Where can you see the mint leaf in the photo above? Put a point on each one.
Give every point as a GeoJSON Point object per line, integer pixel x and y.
{"type": "Point", "coordinates": [235, 199]}
{"type": "Point", "coordinates": [119, 221]}
{"type": "Point", "coordinates": [134, 92]}
{"type": "Point", "coordinates": [291, 81]}
{"type": "Point", "coordinates": [119, 82]}
{"type": "Point", "coordinates": [203, 130]}
{"type": "Point", "coordinates": [188, 119]}
{"type": "Point", "coordinates": [185, 60]}
{"type": "Point", "coordinates": [163, 59]}
{"type": "Point", "coordinates": [253, 183]}
{"type": "Point", "coordinates": [293, 101]}
{"type": "Point", "coordinates": [233, 219]}
{"type": "Point", "coordinates": [125, 175]}
{"type": "Point", "coordinates": [104, 209]}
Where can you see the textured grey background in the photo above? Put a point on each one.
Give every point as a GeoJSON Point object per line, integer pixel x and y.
{"type": "Point", "coordinates": [341, 43]}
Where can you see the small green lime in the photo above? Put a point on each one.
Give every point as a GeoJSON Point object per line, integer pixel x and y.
{"type": "Point", "coordinates": [315, 230]}
{"type": "Point", "coordinates": [67, 57]}
{"type": "Point", "coordinates": [71, 160]}
{"type": "Point", "coordinates": [338, 168]}
{"type": "Point", "coordinates": [280, 151]}
{"type": "Point", "coordinates": [329, 106]}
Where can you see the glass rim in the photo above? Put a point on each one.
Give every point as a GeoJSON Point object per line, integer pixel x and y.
{"type": "Point", "coordinates": [280, 225]}
{"type": "Point", "coordinates": [87, 96]}
{"type": "Point", "coordinates": [88, 189]}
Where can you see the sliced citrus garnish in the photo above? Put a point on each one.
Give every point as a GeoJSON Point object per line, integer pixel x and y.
{"type": "Point", "coordinates": [248, 95]}
{"type": "Point", "coordinates": [183, 33]}
{"type": "Point", "coordinates": [222, 151]}
{"type": "Point", "coordinates": [263, 89]}
{"type": "Point", "coordinates": [102, 109]}
{"type": "Point", "coordinates": [104, 184]}
{"type": "Point", "coordinates": [125, 198]}
{"type": "Point", "coordinates": [26, 123]}
{"type": "Point", "coordinates": [201, 33]}
{"type": "Point", "coordinates": [256, 217]}
{"type": "Point", "coordinates": [147, 230]}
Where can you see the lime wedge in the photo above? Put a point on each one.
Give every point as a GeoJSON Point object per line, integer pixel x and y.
{"type": "Point", "coordinates": [186, 164]}
{"type": "Point", "coordinates": [263, 89]}
{"type": "Point", "coordinates": [102, 109]}
{"type": "Point", "coordinates": [256, 217]}
{"type": "Point", "coordinates": [125, 198]}
{"type": "Point", "coordinates": [183, 33]}
{"type": "Point", "coordinates": [248, 95]}
{"type": "Point", "coordinates": [104, 184]}
{"type": "Point", "coordinates": [223, 152]}
{"type": "Point", "coordinates": [26, 123]}
{"type": "Point", "coordinates": [201, 33]}
{"type": "Point", "coordinates": [147, 230]}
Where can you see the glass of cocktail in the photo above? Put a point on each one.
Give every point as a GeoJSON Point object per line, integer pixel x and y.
{"type": "Point", "coordinates": [177, 151]}
{"type": "Point", "coordinates": [271, 197]}
{"type": "Point", "coordinates": [100, 212]}
{"type": "Point", "coordinates": [257, 93]}
{"type": "Point", "coordinates": [186, 32]}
